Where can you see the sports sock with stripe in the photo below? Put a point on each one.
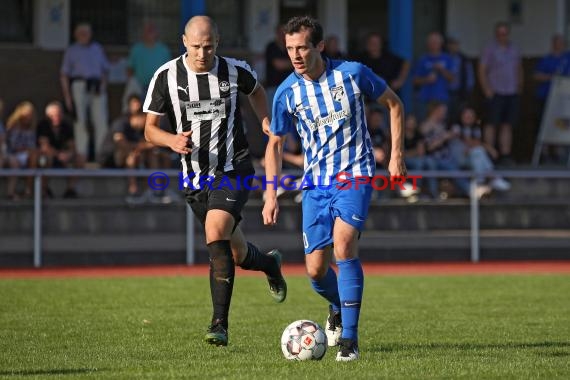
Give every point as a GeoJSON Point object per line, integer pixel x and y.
{"type": "Point", "coordinates": [350, 286]}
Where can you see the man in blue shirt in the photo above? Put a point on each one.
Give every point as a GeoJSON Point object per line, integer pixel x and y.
{"type": "Point", "coordinates": [433, 73]}
{"type": "Point", "coordinates": [323, 101]}
{"type": "Point", "coordinates": [557, 62]}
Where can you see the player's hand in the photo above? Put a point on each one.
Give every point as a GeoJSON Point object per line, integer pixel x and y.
{"type": "Point", "coordinates": [270, 211]}
{"type": "Point", "coordinates": [265, 126]}
{"type": "Point", "coordinates": [397, 167]}
{"type": "Point", "coordinates": [181, 143]}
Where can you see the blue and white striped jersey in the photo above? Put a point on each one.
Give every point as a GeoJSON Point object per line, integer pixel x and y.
{"type": "Point", "coordinates": [329, 116]}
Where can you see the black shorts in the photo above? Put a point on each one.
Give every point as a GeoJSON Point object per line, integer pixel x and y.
{"type": "Point", "coordinates": [231, 196]}
{"type": "Point", "coordinates": [503, 109]}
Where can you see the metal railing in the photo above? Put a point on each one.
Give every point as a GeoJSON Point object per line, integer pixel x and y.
{"type": "Point", "coordinates": [38, 174]}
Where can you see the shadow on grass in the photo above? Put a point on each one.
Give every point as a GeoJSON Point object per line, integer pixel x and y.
{"type": "Point", "coordinates": [36, 372]}
{"type": "Point", "coordinates": [395, 347]}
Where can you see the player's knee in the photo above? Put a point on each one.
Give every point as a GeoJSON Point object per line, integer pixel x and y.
{"type": "Point", "coordinates": [344, 251]}
{"type": "Point", "coordinates": [316, 272]}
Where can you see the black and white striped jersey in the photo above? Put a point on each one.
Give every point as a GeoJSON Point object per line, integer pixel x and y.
{"type": "Point", "coordinates": [208, 105]}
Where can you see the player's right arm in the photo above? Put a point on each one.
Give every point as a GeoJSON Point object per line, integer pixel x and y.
{"type": "Point", "coordinates": [180, 143]}
{"type": "Point", "coordinates": [273, 163]}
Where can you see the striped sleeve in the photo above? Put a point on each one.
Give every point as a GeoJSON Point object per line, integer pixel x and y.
{"type": "Point", "coordinates": [156, 96]}
{"type": "Point", "coordinates": [281, 119]}
{"type": "Point", "coordinates": [371, 84]}
{"type": "Point", "coordinates": [247, 77]}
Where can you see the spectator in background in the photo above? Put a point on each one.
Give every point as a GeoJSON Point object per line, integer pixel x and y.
{"type": "Point", "coordinates": [415, 150]}
{"type": "Point", "coordinates": [433, 74]}
{"type": "Point", "coordinates": [461, 87]}
{"type": "Point", "coordinates": [472, 153]}
{"type": "Point", "coordinates": [56, 146]}
{"type": "Point", "coordinates": [393, 69]}
{"type": "Point", "coordinates": [84, 84]}
{"type": "Point", "coordinates": [132, 151]}
{"type": "Point", "coordinates": [146, 56]}
{"type": "Point", "coordinates": [21, 143]}
{"type": "Point", "coordinates": [332, 47]}
{"type": "Point", "coordinates": [277, 64]}
{"type": "Point", "coordinates": [501, 77]}
{"type": "Point", "coordinates": [437, 139]}
{"type": "Point", "coordinates": [3, 148]}
{"type": "Point", "coordinates": [108, 152]}
{"type": "Point", "coordinates": [379, 135]}
{"type": "Point", "coordinates": [557, 62]}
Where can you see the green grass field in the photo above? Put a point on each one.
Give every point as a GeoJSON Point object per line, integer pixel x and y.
{"type": "Point", "coordinates": [411, 327]}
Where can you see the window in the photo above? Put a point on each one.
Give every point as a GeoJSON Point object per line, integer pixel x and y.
{"type": "Point", "coordinates": [229, 16]}
{"type": "Point", "coordinates": [16, 20]}
{"type": "Point", "coordinates": [108, 19]}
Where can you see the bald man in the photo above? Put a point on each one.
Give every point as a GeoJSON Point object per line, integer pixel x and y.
{"type": "Point", "coordinates": [199, 93]}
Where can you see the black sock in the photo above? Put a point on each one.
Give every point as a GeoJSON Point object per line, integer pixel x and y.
{"type": "Point", "coordinates": [255, 260]}
{"type": "Point", "coordinates": [222, 271]}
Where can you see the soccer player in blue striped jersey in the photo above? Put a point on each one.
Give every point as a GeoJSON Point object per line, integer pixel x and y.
{"type": "Point", "coordinates": [323, 100]}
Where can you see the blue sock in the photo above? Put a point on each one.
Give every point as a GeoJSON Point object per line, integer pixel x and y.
{"type": "Point", "coordinates": [327, 287]}
{"type": "Point", "coordinates": [350, 286]}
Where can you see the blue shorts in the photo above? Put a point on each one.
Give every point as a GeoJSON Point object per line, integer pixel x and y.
{"type": "Point", "coordinates": [322, 206]}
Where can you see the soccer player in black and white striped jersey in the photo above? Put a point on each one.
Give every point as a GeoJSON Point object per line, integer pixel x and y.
{"type": "Point", "coordinates": [199, 94]}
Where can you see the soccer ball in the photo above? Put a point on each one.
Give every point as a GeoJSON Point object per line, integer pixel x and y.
{"type": "Point", "coordinates": [304, 340]}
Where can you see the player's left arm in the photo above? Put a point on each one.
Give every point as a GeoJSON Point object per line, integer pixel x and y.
{"type": "Point", "coordinates": [258, 101]}
{"type": "Point", "coordinates": [392, 102]}
{"type": "Point", "coordinates": [376, 88]}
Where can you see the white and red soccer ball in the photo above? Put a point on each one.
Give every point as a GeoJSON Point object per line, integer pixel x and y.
{"type": "Point", "coordinates": [304, 340]}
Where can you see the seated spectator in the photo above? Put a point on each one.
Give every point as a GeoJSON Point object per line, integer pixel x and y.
{"type": "Point", "coordinates": [56, 146]}
{"type": "Point", "coordinates": [471, 152]}
{"type": "Point", "coordinates": [108, 152]}
{"type": "Point", "coordinates": [21, 143]}
{"type": "Point", "coordinates": [437, 139]}
{"type": "Point", "coordinates": [132, 151]}
{"type": "Point", "coordinates": [380, 136]}
{"type": "Point", "coordinates": [415, 149]}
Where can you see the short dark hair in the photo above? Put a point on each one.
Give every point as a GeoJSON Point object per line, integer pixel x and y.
{"type": "Point", "coordinates": [295, 24]}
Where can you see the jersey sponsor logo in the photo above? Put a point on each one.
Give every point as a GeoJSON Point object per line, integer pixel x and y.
{"type": "Point", "coordinates": [337, 93]}
{"type": "Point", "coordinates": [224, 86]}
{"type": "Point", "coordinates": [329, 119]}
{"type": "Point", "coordinates": [205, 110]}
